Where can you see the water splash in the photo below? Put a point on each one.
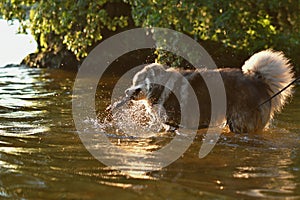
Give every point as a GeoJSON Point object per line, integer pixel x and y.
{"type": "Point", "coordinates": [139, 119]}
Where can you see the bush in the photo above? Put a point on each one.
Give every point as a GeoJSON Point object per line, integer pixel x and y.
{"type": "Point", "coordinates": [244, 25]}
{"type": "Point", "coordinates": [55, 24]}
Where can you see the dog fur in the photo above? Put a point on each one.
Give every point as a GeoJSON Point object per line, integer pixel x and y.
{"type": "Point", "coordinates": [262, 76]}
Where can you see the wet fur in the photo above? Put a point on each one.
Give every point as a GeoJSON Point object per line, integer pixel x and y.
{"type": "Point", "coordinates": [263, 75]}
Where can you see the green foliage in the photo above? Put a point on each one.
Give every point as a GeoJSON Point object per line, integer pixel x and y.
{"type": "Point", "coordinates": [75, 24]}
{"type": "Point", "coordinates": [248, 25]}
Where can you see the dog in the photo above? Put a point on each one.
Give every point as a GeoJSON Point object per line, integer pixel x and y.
{"type": "Point", "coordinates": [251, 92]}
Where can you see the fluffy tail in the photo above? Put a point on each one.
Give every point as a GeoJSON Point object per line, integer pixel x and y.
{"type": "Point", "coordinates": [275, 70]}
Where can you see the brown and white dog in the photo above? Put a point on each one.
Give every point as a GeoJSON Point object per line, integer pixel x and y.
{"type": "Point", "coordinates": [263, 75]}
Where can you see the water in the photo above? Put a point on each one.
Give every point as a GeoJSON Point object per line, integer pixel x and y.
{"type": "Point", "coordinates": [138, 119]}
{"type": "Point", "coordinates": [42, 157]}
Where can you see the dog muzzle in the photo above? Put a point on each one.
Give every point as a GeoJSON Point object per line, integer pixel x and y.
{"type": "Point", "coordinates": [131, 94]}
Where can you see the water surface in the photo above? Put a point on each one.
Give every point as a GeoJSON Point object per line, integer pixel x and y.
{"type": "Point", "coordinates": [42, 157]}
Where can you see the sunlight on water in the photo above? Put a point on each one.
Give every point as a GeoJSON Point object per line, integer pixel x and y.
{"type": "Point", "coordinates": [20, 91]}
{"type": "Point", "coordinates": [42, 156]}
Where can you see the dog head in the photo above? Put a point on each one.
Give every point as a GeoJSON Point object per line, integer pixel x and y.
{"type": "Point", "coordinates": [144, 83]}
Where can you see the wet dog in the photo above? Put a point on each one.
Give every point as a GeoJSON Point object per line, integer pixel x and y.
{"type": "Point", "coordinates": [247, 91]}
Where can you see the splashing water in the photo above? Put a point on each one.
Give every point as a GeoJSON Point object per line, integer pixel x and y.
{"type": "Point", "coordinates": [139, 119]}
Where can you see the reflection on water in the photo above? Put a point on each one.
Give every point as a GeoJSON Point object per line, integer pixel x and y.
{"type": "Point", "coordinates": [20, 93]}
{"type": "Point", "coordinates": [42, 157]}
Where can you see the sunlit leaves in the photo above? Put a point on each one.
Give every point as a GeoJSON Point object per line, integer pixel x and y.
{"type": "Point", "coordinates": [243, 25]}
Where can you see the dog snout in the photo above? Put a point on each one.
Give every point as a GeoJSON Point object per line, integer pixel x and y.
{"type": "Point", "coordinates": [132, 92]}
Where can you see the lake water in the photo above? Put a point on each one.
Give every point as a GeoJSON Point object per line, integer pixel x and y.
{"type": "Point", "coordinates": [42, 156]}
